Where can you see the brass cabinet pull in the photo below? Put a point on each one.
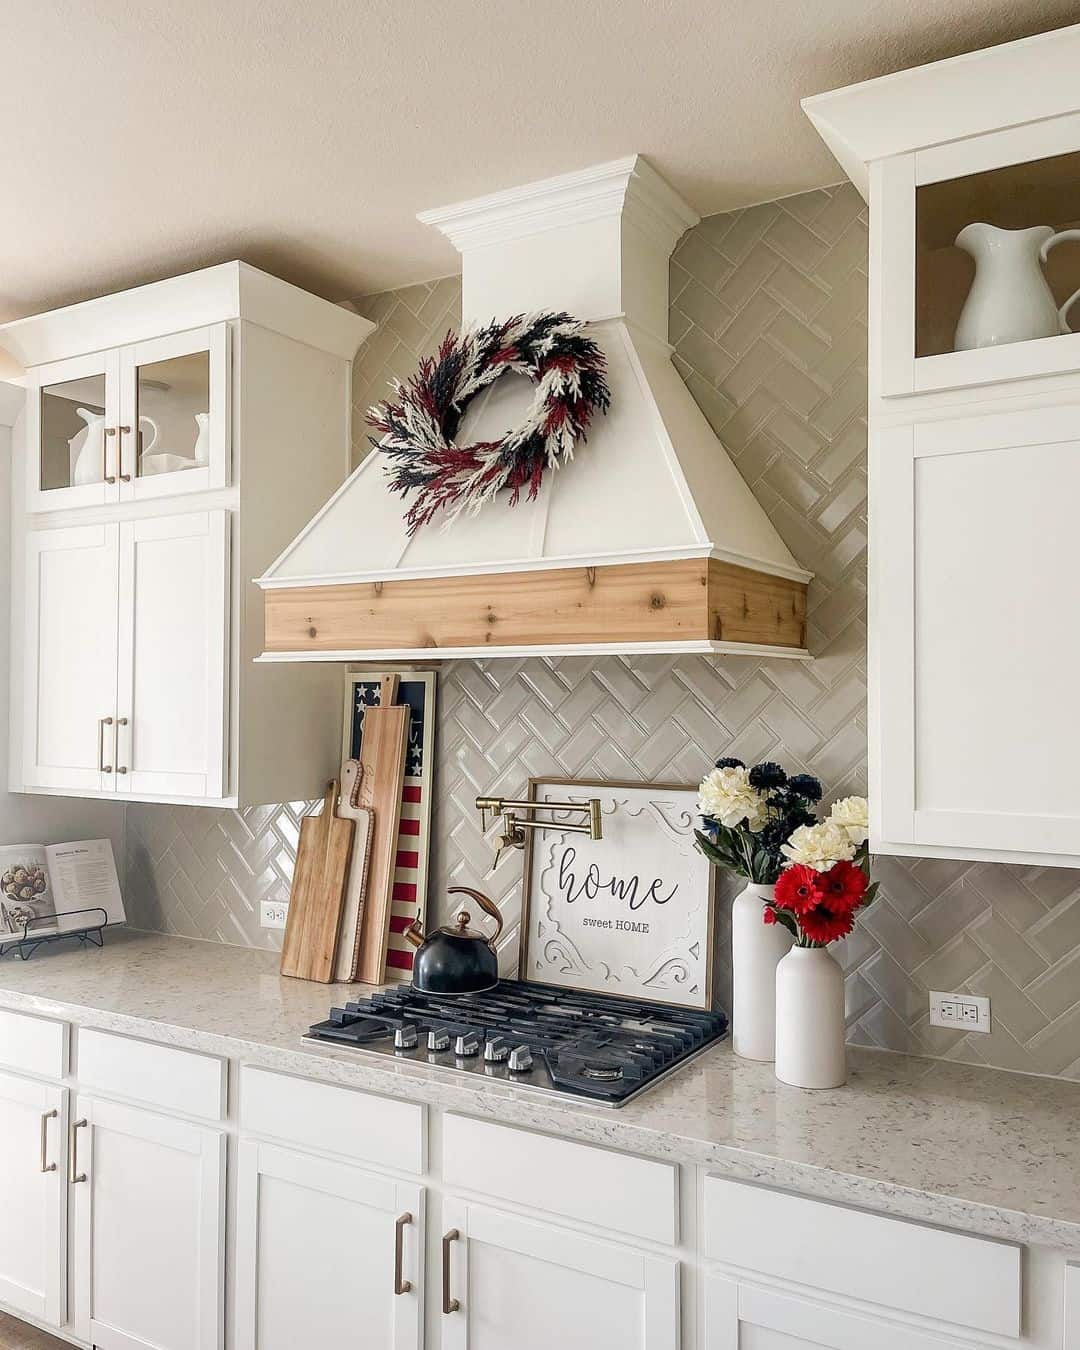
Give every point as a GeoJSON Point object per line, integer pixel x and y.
{"type": "Point", "coordinates": [400, 1286]}
{"type": "Point", "coordinates": [449, 1305]}
{"type": "Point", "coordinates": [46, 1116]}
{"type": "Point", "coordinates": [124, 431]}
{"type": "Point", "coordinates": [73, 1153]}
{"type": "Point", "coordinates": [109, 478]}
{"type": "Point", "coordinates": [103, 722]}
{"type": "Point", "coordinates": [120, 722]}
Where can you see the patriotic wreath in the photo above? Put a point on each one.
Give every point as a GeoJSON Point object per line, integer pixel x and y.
{"type": "Point", "coordinates": [417, 428]}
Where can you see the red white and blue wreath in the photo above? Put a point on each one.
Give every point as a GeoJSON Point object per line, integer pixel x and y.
{"type": "Point", "coordinates": [417, 428]}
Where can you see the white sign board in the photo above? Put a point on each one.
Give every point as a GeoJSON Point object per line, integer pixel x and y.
{"type": "Point", "coordinates": [629, 914]}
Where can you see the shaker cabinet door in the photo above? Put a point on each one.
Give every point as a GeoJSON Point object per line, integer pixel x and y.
{"type": "Point", "coordinates": [34, 1189]}
{"type": "Point", "coordinates": [172, 690]}
{"type": "Point", "coordinates": [974, 649]}
{"type": "Point", "coordinates": [148, 1219]}
{"type": "Point", "coordinates": [326, 1254]}
{"type": "Point", "coordinates": [509, 1281]}
{"type": "Point", "coordinates": [69, 658]}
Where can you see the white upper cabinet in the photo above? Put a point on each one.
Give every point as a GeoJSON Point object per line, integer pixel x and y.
{"type": "Point", "coordinates": [174, 438]}
{"type": "Point", "coordinates": [146, 420]}
{"type": "Point", "coordinates": [972, 171]}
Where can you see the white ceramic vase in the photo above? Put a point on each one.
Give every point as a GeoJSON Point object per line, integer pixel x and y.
{"type": "Point", "coordinates": [756, 948]}
{"type": "Point", "coordinates": [810, 1050]}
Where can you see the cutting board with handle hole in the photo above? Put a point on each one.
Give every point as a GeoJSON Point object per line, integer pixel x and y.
{"type": "Point", "coordinates": [318, 893]}
{"type": "Point", "coordinates": [348, 953]}
{"type": "Point", "coordinates": [382, 763]}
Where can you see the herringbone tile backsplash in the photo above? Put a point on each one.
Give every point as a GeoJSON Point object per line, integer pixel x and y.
{"type": "Point", "coordinates": [768, 318]}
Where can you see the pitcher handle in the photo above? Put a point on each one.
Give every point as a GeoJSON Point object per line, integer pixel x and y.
{"type": "Point", "coordinates": [1060, 237]}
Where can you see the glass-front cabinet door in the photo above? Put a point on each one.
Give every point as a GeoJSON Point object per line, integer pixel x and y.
{"type": "Point", "coordinates": [71, 417]}
{"type": "Point", "coordinates": [148, 420]}
{"type": "Point", "coordinates": [174, 423]}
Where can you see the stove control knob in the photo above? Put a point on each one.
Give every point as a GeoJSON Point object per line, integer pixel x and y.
{"type": "Point", "coordinates": [438, 1039]}
{"type": "Point", "coordinates": [521, 1059]}
{"type": "Point", "coordinates": [467, 1044]}
{"type": "Point", "coordinates": [405, 1037]}
{"type": "Point", "coordinates": [495, 1050]}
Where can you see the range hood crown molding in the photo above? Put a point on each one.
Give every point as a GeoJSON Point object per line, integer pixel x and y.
{"type": "Point", "coordinates": [629, 189]}
{"type": "Point", "coordinates": [649, 540]}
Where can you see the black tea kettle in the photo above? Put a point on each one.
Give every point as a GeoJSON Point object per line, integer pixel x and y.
{"type": "Point", "coordinates": [457, 959]}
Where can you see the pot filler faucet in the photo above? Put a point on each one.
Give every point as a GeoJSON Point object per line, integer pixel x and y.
{"type": "Point", "coordinates": [515, 826]}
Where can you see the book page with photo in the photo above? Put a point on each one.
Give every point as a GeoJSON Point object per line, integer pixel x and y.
{"type": "Point", "coordinates": [42, 887]}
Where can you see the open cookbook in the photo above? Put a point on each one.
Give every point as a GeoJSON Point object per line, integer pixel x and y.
{"type": "Point", "coordinates": [45, 883]}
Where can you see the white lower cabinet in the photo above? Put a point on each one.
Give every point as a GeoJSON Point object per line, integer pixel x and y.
{"type": "Point", "coordinates": [148, 1228]}
{"type": "Point", "coordinates": [33, 1198]}
{"type": "Point", "coordinates": [508, 1281]}
{"type": "Point", "coordinates": [744, 1316]}
{"type": "Point", "coordinates": [327, 1254]}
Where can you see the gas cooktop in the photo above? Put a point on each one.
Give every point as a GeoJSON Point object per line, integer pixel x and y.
{"type": "Point", "coordinates": [581, 1044]}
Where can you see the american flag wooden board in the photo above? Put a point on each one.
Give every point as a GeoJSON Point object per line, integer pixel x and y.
{"type": "Point", "coordinates": [409, 895]}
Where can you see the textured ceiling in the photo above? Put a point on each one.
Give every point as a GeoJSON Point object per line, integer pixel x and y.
{"type": "Point", "coordinates": [145, 138]}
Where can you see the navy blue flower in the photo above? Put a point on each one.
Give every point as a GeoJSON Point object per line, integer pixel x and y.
{"type": "Point", "coordinates": [767, 776]}
{"type": "Point", "coordinates": [805, 785]}
{"type": "Point", "coordinates": [730, 763]}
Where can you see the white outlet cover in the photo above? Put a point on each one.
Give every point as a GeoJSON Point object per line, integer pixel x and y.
{"type": "Point", "coordinates": [272, 914]}
{"type": "Point", "coordinates": [960, 1012]}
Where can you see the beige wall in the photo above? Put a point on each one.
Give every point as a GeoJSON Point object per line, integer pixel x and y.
{"type": "Point", "coordinates": [768, 319]}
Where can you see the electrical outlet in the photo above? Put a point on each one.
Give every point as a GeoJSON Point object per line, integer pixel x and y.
{"type": "Point", "coordinates": [960, 1012]}
{"type": "Point", "coordinates": [272, 915]}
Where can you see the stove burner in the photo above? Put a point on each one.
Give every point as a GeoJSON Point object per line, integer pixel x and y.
{"type": "Point", "coordinates": [602, 1073]}
{"type": "Point", "coordinates": [582, 1044]}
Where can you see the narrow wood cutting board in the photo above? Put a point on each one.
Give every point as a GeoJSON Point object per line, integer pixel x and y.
{"type": "Point", "coordinates": [382, 763]}
{"type": "Point", "coordinates": [348, 952]}
{"type": "Point", "coordinates": [318, 893]}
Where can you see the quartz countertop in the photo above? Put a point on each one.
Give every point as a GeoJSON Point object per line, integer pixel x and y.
{"type": "Point", "coordinates": [977, 1149]}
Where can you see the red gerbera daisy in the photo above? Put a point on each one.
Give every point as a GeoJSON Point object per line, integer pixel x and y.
{"type": "Point", "coordinates": [842, 887]}
{"type": "Point", "coordinates": [822, 924]}
{"type": "Point", "coordinates": [796, 889]}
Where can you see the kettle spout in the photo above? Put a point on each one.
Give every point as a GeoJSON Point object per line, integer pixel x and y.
{"type": "Point", "coordinates": [415, 933]}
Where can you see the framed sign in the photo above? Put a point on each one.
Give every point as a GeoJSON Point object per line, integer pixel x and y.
{"type": "Point", "coordinates": [630, 914]}
{"type": "Point", "coordinates": [409, 894]}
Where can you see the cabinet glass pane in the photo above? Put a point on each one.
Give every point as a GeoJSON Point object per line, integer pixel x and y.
{"type": "Point", "coordinates": [980, 279]}
{"type": "Point", "coordinates": [73, 432]}
{"type": "Point", "coordinates": [173, 402]}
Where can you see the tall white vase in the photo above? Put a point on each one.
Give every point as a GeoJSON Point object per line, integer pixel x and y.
{"type": "Point", "coordinates": [810, 1051]}
{"type": "Point", "coordinates": [756, 947]}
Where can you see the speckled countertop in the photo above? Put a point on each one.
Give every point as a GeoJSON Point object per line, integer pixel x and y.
{"type": "Point", "coordinates": [977, 1149]}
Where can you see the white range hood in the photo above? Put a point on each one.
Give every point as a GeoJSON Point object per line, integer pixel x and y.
{"type": "Point", "coordinates": [649, 540]}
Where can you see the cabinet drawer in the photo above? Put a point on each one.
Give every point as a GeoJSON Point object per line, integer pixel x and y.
{"type": "Point", "coordinates": [33, 1044]}
{"type": "Point", "coordinates": [157, 1075]}
{"type": "Point", "coordinates": [635, 1196]}
{"type": "Point", "coordinates": [894, 1263]}
{"type": "Point", "coordinates": [330, 1119]}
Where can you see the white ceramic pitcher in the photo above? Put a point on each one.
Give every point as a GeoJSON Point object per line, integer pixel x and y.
{"type": "Point", "coordinates": [1010, 300]}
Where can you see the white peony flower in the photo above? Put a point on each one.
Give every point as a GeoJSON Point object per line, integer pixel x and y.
{"type": "Point", "coordinates": [819, 846]}
{"type": "Point", "coordinates": [853, 815]}
{"type": "Point", "coordinates": [726, 795]}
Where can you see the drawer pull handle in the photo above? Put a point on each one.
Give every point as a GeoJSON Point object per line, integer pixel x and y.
{"type": "Point", "coordinates": [103, 722]}
{"type": "Point", "coordinates": [449, 1305]}
{"type": "Point", "coordinates": [73, 1153]}
{"type": "Point", "coordinates": [400, 1286]}
{"type": "Point", "coordinates": [46, 1116]}
{"type": "Point", "coordinates": [109, 431]}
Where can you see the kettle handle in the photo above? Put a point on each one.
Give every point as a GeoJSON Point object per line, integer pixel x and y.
{"type": "Point", "coordinates": [1060, 237]}
{"type": "Point", "coordinates": [488, 906]}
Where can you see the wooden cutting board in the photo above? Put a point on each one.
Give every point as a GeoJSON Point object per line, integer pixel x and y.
{"type": "Point", "coordinates": [348, 952]}
{"type": "Point", "coordinates": [318, 893]}
{"type": "Point", "coordinates": [382, 763]}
